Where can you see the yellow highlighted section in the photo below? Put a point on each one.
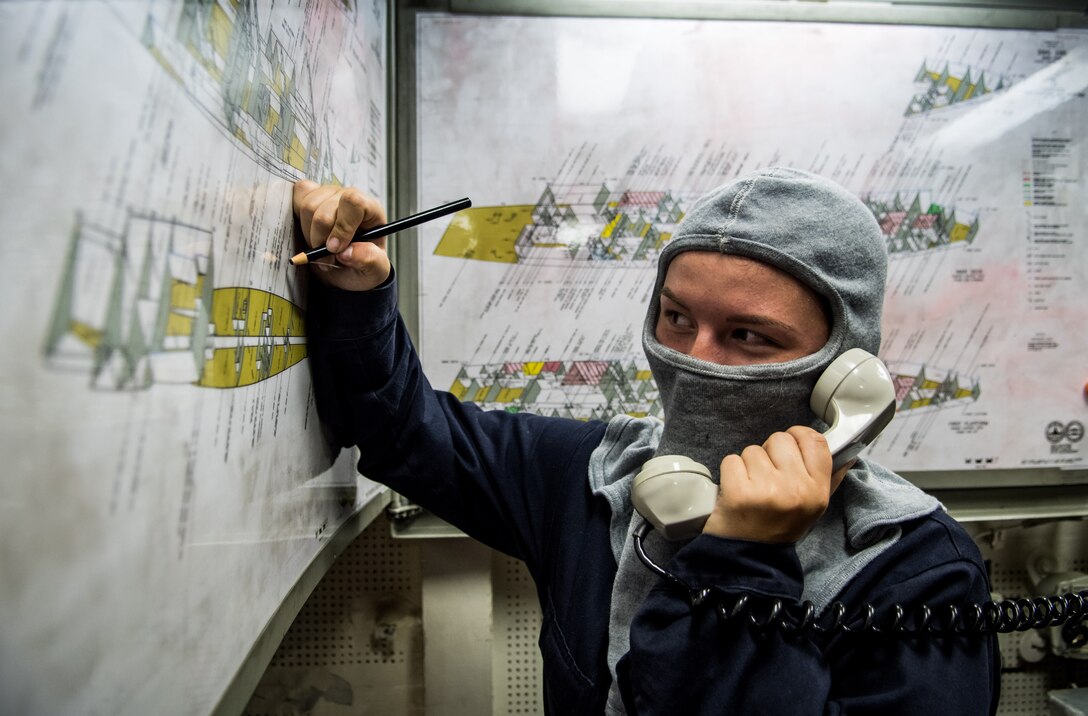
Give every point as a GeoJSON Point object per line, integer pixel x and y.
{"type": "Point", "coordinates": [295, 154]}
{"type": "Point", "coordinates": [86, 334]}
{"type": "Point", "coordinates": [184, 294]}
{"type": "Point", "coordinates": [271, 121]}
{"type": "Point", "coordinates": [459, 389]}
{"type": "Point", "coordinates": [178, 324]}
{"type": "Point", "coordinates": [219, 31]}
{"type": "Point", "coordinates": [249, 306]}
{"type": "Point", "coordinates": [959, 233]}
{"type": "Point", "coordinates": [486, 233]}
{"type": "Point", "coordinates": [606, 232]}
{"type": "Point", "coordinates": [263, 325]}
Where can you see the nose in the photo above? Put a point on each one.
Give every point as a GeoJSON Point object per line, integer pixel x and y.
{"type": "Point", "coordinates": [707, 347]}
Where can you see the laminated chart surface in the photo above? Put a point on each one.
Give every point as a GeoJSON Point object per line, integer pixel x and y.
{"type": "Point", "coordinates": [166, 481]}
{"type": "Point", "coordinates": [585, 141]}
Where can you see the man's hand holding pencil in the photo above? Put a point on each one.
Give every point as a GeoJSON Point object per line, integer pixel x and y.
{"type": "Point", "coordinates": [349, 227]}
{"type": "Point", "coordinates": [330, 216]}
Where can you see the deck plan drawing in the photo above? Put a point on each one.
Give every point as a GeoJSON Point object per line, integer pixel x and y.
{"type": "Point", "coordinates": [243, 76]}
{"type": "Point", "coordinates": [915, 223]}
{"type": "Point", "coordinates": [944, 87]}
{"type": "Point", "coordinates": [597, 389]}
{"type": "Point", "coordinates": [968, 148]}
{"type": "Point", "coordinates": [165, 321]}
{"type": "Point", "coordinates": [585, 223]}
{"type": "Point", "coordinates": [167, 479]}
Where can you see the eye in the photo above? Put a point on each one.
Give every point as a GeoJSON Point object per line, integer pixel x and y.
{"type": "Point", "coordinates": [751, 338]}
{"type": "Point", "coordinates": [676, 319]}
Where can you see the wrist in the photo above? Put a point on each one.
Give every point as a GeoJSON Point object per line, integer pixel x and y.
{"type": "Point", "coordinates": [356, 280]}
{"type": "Point", "coordinates": [338, 313]}
{"type": "Point", "coordinates": [730, 565]}
{"type": "Point", "coordinates": [752, 528]}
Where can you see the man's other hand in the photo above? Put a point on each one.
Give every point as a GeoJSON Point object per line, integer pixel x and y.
{"type": "Point", "coordinates": [777, 491]}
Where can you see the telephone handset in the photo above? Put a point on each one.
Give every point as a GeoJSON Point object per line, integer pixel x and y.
{"type": "Point", "coordinates": [854, 395]}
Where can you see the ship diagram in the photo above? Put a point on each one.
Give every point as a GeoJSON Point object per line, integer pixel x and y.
{"type": "Point", "coordinates": [246, 82]}
{"type": "Point", "coordinates": [598, 390]}
{"type": "Point", "coordinates": [139, 307]}
{"type": "Point", "coordinates": [951, 85]}
{"type": "Point", "coordinates": [583, 223]}
{"type": "Point", "coordinates": [912, 223]}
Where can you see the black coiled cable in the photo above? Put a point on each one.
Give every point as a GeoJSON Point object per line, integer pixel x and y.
{"type": "Point", "coordinates": [1005, 616]}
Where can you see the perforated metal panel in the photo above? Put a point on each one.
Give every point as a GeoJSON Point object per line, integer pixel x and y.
{"type": "Point", "coordinates": [356, 646]}
{"type": "Point", "coordinates": [1030, 669]}
{"type": "Point", "coordinates": [517, 669]}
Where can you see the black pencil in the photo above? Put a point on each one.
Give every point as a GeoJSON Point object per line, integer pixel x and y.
{"type": "Point", "coordinates": [392, 227]}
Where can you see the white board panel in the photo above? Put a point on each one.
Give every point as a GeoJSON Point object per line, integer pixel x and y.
{"type": "Point", "coordinates": [583, 141]}
{"type": "Point", "coordinates": [166, 482]}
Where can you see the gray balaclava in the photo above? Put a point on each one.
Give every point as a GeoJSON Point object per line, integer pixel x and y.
{"type": "Point", "coordinates": [812, 229]}
{"type": "Point", "coordinates": [817, 232]}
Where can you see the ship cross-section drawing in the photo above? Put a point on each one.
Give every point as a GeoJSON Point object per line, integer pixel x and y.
{"type": "Point", "coordinates": [139, 307]}
{"type": "Point", "coordinates": [587, 223]}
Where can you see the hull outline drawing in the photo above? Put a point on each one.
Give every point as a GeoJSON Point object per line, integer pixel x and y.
{"type": "Point", "coordinates": [912, 223]}
{"type": "Point", "coordinates": [247, 84]}
{"type": "Point", "coordinates": [139, 307]}
{"type": "Point", "coordinates": [950, 85]}
{"type": "Point", "coordinates": [599, 389]}
{"type": "Point", "coordinates": [585, 223]}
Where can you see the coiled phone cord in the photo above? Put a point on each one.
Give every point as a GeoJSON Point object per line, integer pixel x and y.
{"type": "Point", "coordinates": [1005, 616]}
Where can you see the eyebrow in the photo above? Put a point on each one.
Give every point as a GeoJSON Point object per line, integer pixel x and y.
{"type": "Point", "coordinates": [753, 319]}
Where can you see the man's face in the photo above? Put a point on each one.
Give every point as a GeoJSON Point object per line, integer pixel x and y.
{"type": "Point", "coordinates": [732, 310]}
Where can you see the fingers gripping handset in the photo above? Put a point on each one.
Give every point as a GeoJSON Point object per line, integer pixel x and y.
{"type": "Point", "coordinates": [855, 396]}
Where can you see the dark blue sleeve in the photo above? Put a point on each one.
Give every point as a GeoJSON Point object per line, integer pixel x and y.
{"type": "Point", "coordinates": [500, 477]}
{"type": "Point", "coordinates": [686, 659]}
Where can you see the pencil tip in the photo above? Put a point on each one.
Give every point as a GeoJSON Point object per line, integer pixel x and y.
{"type": "Point", "coordinates": [299, 259]}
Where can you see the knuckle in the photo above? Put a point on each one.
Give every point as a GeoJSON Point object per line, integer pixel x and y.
{"type": "Point", "coordinates": [751, 451]}
{"type": "Point", "coordinates": [357, 202]}
{"type": "Point", "coordinates": [311, 204]}
{"type": "Point", "coordinates": [779, 437]}
{"type": "Point", "coordinates": [731, 463]}
{"type": "Point", "coordinates": [324, 220]}
{"type": "Point", "coordinates": [354, 197]}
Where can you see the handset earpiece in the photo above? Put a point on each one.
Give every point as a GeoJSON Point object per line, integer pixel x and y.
{"type": "Point", "coordinates": [854, 395]}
